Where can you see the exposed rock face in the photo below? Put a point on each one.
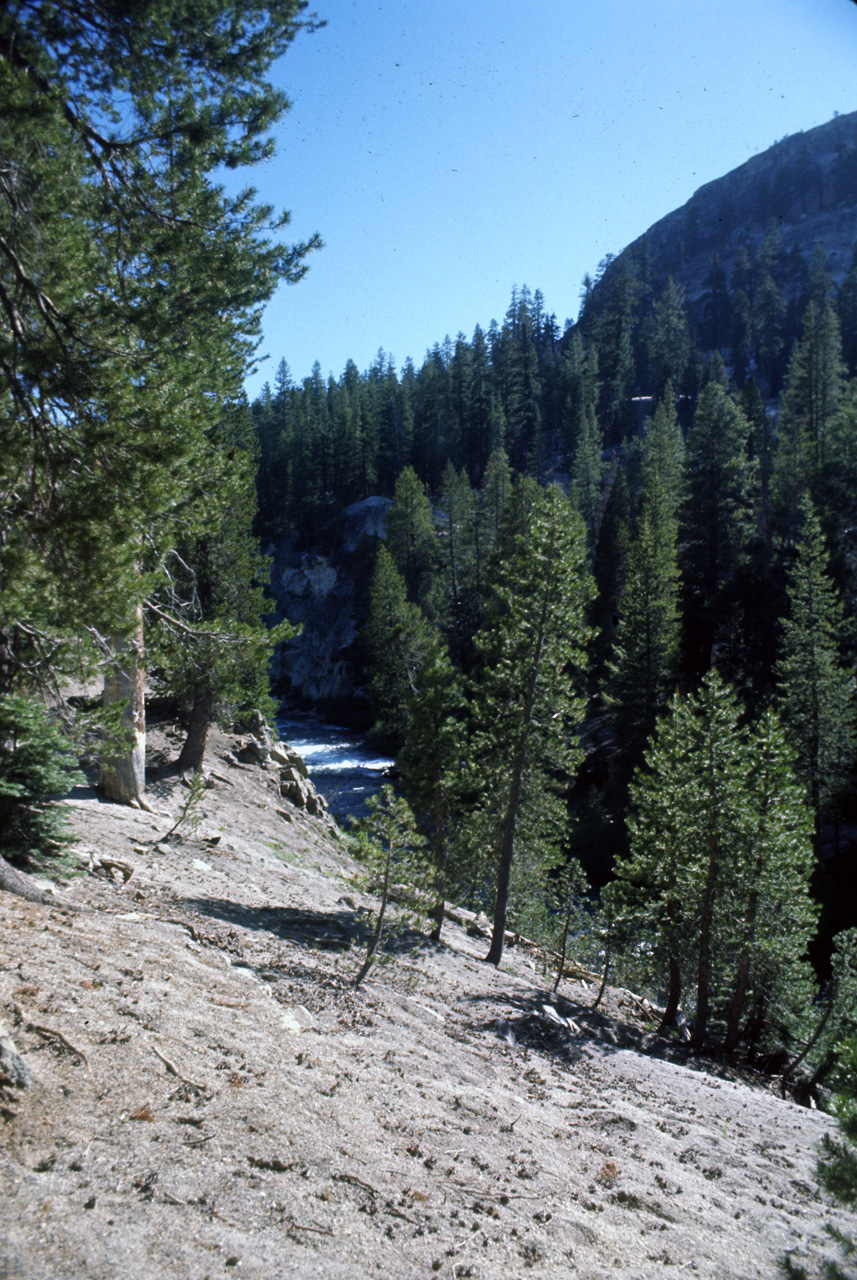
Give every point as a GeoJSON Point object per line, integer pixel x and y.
{"type": "Point", "coordinates": [317, 591]}
{"type": "Point", "coordinates": [261, 748]}
{"type": "Point", "coordinates": [295, 784]}
{"type": "Point", "coordinates": [806, 184]}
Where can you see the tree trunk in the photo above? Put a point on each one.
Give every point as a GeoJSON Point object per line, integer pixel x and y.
{"type": "Point", "coordinates": [670, 1017]}
{"type": "Point", "coordinates": [379, 925]}
{"type": "Point", "coordinates": [504, 870]}
{"type": "Point", "coordinates": [193, 750]}
{"type": "Point", "coordinates": [13, 881]}
{"type": "Point", "coordinates": [742, 978]}
{"type": "Point", "coordinates": [123, 778]}
{"type": "Point", "coordinates": [706, 926]}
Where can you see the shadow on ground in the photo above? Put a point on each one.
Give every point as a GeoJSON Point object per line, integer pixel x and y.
{"type": "Point", "coordinates": [549, 1023]}
{"type": "Point", "coordinates": [328, 930]}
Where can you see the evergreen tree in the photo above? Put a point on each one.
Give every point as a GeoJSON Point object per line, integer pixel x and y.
{"type": "Point", "coordinates": [213, 648]}
{"type": "Point", "coordinates": [389, 845]}
{"type": "Point", "coordinates": [526, 705]}
{"type": "Point", "coordinates": [120, 354]}
{"type": "Point", "coordinates": [816, 689]}
{"type": "Point", "coordinates": [664, 455]}
{"type": "Point", "coordinates": [717, 305]}
{"type": "Point", "coordinates": [610, 568]}
{"type": "Point", "coordinates": [812, 392]}
{"type": "Point", "coordinates": [459, 553]}
{"type": "Point", "coordinates": [396, 638]}
{"type": "Point", "coordinates": [775, 917]}
{"type": "Point", "coordinates": [668, 340]}
{"type": "Point", "coordinates": [578, 378]}
{"type": "Point", "coordinates": [37, 768]}
{"type": "Point", "coordinates": [645, 657]}
{"type": "Point", "coordinates": [719, 867]}
{"type": "Point", "coordinates": [769, 315]}
{"type": "Point", "coordinates": [741, 337]}
{"type": "Point", "coordinates": [412, 542]}
{"type": "Point", "coordinates": [717, 521]}
{"type": "Point", "coordinates": [846, 306]}
{"type": "Point", "coordinates": [430, 762]}
{"type": "Point", "coordinates": [588, 473]}
{"type": "Point", "coordinates": [837, 1168]}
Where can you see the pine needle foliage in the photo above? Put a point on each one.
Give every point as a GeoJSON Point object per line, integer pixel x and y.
{"type": "Point", "coordinates": [527, 703]}
{"type": "Point", "coordinates": [713, 900]}
{"type": "Point", "coordinates": [37, 768]}
{"type": "Point", "coordinates": [396, 859]}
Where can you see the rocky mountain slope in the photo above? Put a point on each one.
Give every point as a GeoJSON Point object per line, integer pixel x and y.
{"type": "Point", "coordinates": [805, 186]}
{"type": "Point", "coordinates": [210, 1096]}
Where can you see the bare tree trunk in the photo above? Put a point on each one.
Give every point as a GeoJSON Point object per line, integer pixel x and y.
{"type": "Point", "coordinates": [123, 778]}
{"type": "Point", "coordinates": [504, 870]}
{"type": "Point", "coordinates": [670, 1018]}
{"type": "Point", "coordinates": [193, 748]}
{"type": "Point", "coordinates": [13, 881]}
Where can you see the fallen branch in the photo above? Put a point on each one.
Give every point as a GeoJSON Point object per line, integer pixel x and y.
{"type": "Point", "coordinates": [173, 1070]}
{"type": "Point", "coordinates": [50, 1033]}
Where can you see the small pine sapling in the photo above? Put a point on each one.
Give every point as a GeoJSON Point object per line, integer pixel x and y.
{"type": "Point", "coordinates": [395, 857]}
{"type": "Point", "coordinates": [190, 814]}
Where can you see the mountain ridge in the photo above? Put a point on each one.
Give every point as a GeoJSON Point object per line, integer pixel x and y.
{"type": "Point", "coordinates": [805, 185]}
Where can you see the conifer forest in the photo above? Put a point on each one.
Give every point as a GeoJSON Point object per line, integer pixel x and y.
{"type": "Point", "coordinates": [610, 631]}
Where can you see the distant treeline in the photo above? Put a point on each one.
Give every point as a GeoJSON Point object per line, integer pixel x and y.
{"type": "Point", "coordinates": [538, 389]}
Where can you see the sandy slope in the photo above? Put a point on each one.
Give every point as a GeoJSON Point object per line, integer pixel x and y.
{"type": "Point", "coordinates": [211, 1097]}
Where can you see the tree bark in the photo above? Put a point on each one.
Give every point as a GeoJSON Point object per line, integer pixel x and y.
{"type": "Point", "coordinates": [193, 749]}
{"type": "Point", "coordinates": [123, 778]}
{"type": "Point", "coordinates": [670, 1018]}
{"type": "Point", "coordinates": [504, 870]}
{"type": "Point", "coordinates": [13, 881]}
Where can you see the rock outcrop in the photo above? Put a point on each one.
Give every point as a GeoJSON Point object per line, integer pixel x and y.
{"type": "Point", "coordinates": [259, 747]}
{"type": "Point", "coordinates": [805, 185]}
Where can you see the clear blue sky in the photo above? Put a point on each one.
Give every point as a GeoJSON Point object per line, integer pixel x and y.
{"type": "Point", "coordinates": [446, 150]}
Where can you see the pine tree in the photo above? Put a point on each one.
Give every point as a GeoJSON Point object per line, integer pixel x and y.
{"type": "Point", "coordinates": [588, 472]}
{"type": "Point", "coordinates": [396, 638]}
{"type": "Point", "coordinates": [812, 395]}
{"type": "Point", "coordinates": [837, 1168]}
{"type": "Point", "coordinates": [393, 852]}
{"type": "Point", "coordinates": [119, 353]}
{"type": "Point", "coordinates": [458, 543]}
{"type": "Point", "coordinates": [668, 343]}
{"type": "Point", "coordinates": [664, 455]}
{"type": "Point", "coordinates": [645, 900]}
{"type": "Point", "coordinates": [717, 521]}
{"type": "Point", "coordinates": [213, 648]}
{"type": "Point", "coordinates": [431, 763]}
{"type": "Point", "coordinates": [816, 689]}
{"type": "Point", "coordinates": [412, 542]}
{"type": "Point", "coordinates": [37, 768]}
{"type": "Point", "coordinates": [526, 704]}
{"type": "Point", "coordinates": [645, 658]}
{"type": "Point", "coordinates": [768, 322]}
{"type": "Point", "coordinates": [718, 874]}
{"type": "Point", "coordinates": [774, 914]}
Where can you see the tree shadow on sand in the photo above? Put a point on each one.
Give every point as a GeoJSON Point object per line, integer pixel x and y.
{"type": "Point", "coordinates": [549, 1023]}
{"type": "Point", "coordinates": [327, 930]}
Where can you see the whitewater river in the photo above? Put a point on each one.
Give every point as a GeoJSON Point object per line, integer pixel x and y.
{"type": "Point", "coordinates": [344, 769]}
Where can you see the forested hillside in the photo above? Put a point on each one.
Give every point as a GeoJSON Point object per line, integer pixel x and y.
{"type": "Point", "coordinates": [614, 612]}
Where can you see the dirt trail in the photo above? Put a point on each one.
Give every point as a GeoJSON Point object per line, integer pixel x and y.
{"type": "Point", "coordinates": [211, 1097]}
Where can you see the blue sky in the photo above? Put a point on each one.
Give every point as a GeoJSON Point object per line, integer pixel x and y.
{"type": "Point", "coordinates": [447, 150]}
